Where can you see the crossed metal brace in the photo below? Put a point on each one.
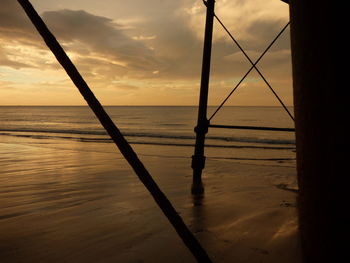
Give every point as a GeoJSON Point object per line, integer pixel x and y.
{"type": "Point", "coordinates": [252, 67]}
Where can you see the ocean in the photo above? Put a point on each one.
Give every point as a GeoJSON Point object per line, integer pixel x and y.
{"type": "Point", "coordinates": [67, 194]}
{"type": "Point", "coordinates": [155, 126]}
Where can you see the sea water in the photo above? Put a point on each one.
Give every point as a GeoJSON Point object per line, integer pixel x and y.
{"type": "Point", "coordinates": [155, 126]}
{"type": "Point", "coordinates": [67, 194]}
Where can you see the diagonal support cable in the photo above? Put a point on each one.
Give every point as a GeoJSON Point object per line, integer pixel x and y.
{"type": "Point", "coordinates": [251, 68]}
{"type": "Point", "coordinates": [251, 62]}
{"type": "Point", "coordinates": [159, 197]}
{"type": "Point", "coordinates": [261, 75]}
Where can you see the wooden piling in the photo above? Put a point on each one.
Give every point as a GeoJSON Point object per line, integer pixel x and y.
{"type": "Point", "coordinates": [320, 118]}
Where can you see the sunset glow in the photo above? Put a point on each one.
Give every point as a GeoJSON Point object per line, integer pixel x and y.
{"type": "Point", "coordinates": [143, 52]}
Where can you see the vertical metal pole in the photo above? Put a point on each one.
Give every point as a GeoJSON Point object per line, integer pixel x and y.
{"type": "Point", "coordinates": [198, 159]}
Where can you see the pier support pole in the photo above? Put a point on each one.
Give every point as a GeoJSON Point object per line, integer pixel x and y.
{"type": "Point", "coordinates": [198, 159]}
{"type": "Point", "coordinates": [320, 103]}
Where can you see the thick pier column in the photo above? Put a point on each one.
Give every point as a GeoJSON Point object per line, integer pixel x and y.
{"type": "Point", "coordinates": [320, 100]}
{"type": "Point", "coordinates": [198, 159]}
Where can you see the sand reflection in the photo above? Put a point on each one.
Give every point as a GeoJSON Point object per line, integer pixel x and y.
{"type": "Point", "coordinates": [198, 214]}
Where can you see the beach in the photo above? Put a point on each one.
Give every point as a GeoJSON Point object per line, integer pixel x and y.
{"type": "Point", "coordinates": [64, 200]}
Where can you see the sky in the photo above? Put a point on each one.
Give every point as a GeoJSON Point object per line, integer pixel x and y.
{"type": "Point", "coordinates": [139, 52]}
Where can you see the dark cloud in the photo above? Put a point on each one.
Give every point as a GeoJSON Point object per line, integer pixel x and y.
{"type": "Point", "coordinates": [163, 40]}
{"type": "Point", "coordinates": [100, 35]}
{"type": "Point", "coordinates": [15, 25]}
{"type": "Point", "coordinates": [175, 46]}
{"type": "Point", "coordinates": [262, 32]}
{"type": "Point", "coordinates": [80, 32]}
{"type": "Point", "coordinates": [12, 16]}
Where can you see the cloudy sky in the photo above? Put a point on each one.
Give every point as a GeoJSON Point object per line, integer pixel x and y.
{"type": "Point", "coordinates": [139, 52]}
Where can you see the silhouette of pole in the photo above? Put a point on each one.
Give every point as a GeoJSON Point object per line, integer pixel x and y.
{"type": "Point", "coordinates": [198, 159]}
{"type": "Point", "coordinates": [187, 237]}
{"type": "Point", "coordinates": [321, 119]}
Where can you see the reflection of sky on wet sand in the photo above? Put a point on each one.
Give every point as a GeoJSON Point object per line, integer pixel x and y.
{"type": "Point", "coordinates": [198, 213]}
{"type": "Point", "coordinates": [84, 206]}
{"type": "Point", "coordinates": [65, 202]}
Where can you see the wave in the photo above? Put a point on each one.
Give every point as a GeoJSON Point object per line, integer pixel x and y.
{"type": "Point", "coordinates": [78, 132]}
{"type": "Point", "coordinates": [147, 138]}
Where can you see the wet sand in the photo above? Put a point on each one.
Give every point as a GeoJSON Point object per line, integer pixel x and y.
{"type": "Point", "coordinates": [83, 206]}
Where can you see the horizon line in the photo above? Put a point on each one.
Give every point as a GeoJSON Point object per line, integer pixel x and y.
{"type": "Point", "coordinates": [14, 105]}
